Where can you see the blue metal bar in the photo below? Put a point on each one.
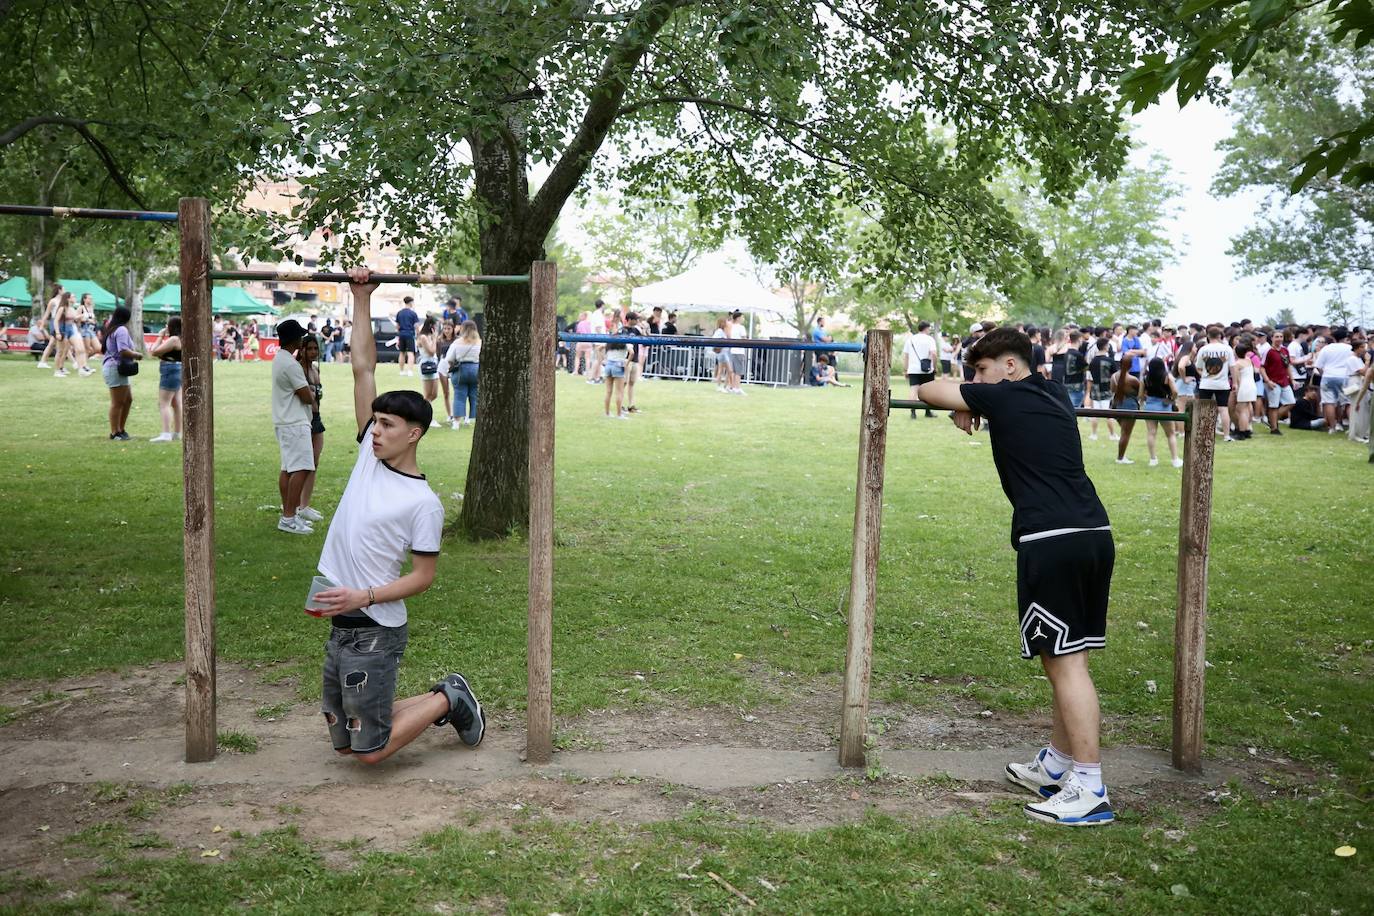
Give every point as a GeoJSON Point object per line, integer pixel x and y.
{"type": "Point", "coordinates": [743, 343]}
{"type": "Point", "coordinates": [87, 213]}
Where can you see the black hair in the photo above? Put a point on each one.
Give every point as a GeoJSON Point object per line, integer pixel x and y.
{"type": "Point", "coordinates": [428, 326]}
{"type": "Point", "coordinates": [410, 406]}
{"type": "Point", "coordinates": [1340, 334]}
{"type": "Point", "coordinates": [174, 326]}
{"type": "Point", "coordinates": [923, 326]}
{"type": "Point", "coordinates": [999, 342]}
{"type": "Point", "coordinates": [1156, 375]}
{"type": "Point", "coordinates": [119, 318]}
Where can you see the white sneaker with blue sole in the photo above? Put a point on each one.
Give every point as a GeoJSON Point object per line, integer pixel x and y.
{"type": "Point", "coordinates": [1036, 776]}
{"type": "Point", "coordinates": [1073, 806]}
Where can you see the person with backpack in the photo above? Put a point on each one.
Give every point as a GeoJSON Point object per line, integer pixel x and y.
{"type": "Point", "coordinates": [1074, 368]}
{"type": "Point", "coordinates": [1160, 397]}
{"type": "Point", "coordinates": [1214, 376]}
{"type": "Point", "coordinates": [118, 365]}
{"type": "Point", "coordinates": [918, 360]}
{"type": "Point", "coordinates": [1100, 370]}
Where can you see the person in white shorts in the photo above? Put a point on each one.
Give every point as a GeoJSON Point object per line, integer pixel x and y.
{"type": "Point", "coordinates": [293, 404]}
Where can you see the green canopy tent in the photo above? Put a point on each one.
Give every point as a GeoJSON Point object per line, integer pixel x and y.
{"type": "Point", "coordinates": [14, 293]}
{"type": "Point", "coordinates": [224, 300]}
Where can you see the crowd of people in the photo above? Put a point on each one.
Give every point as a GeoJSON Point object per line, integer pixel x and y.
{"type": "Point", "coordinates": [1303, 377]}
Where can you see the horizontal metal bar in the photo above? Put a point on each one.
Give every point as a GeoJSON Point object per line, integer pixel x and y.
{"type": "Point", "coordinates": [1158, 416]}
{"type": "Point", "coordinates": [318, 276]}
{"type": "Point", "coordinates": [87, 213]}
{"type": "Point", "coordinates": [744, 343]}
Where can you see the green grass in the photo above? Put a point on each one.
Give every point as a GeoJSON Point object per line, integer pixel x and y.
{"type": "Point", "coordinates": [714, 526]}
{"type": "Point", "coordinates": [238, 742]}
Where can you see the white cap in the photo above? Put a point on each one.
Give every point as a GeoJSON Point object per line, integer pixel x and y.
{"type": "Point", "coordinates": [975, 327]}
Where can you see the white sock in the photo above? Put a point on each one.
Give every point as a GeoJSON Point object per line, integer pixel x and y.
{"type": "Point", "coordinates": [1057, 761]}
{"type": "Point", "coordinates": [1089, 774]}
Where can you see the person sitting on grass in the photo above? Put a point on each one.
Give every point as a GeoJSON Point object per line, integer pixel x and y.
{"type": "Point", "coordinates": [387, 509]}
{"type": "Point", "coordinates": [1064, 559]}
{"type": "Point", "coordinates": [819, 372]}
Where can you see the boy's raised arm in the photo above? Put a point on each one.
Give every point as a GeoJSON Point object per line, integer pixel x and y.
{"type": "Point", "coordinates": [363, 347]}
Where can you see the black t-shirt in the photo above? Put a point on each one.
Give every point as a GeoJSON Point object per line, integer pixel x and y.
{"type": "Point", "coordinates": [1038, 454]}
{"type": "Point", "coordinates": [1303, 413]}
{"type": "Point", "coordinates": [1075, 367]}
{"type": "Point", "coordinates": [670, 329]}
{"type": "Point", "coordinates": [969, 370]}
{"type": "Point", "coordinates": [1037, 357]}
{"type": "Point", "coordinates": [1100, 374]}
{"type": "Point", "coordinates": [1057, 364]}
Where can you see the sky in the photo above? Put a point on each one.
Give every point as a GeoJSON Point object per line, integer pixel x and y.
{"type": "Point", "coordinates": [1203, 284]}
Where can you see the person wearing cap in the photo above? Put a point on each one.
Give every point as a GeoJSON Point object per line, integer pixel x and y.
{"type": "Point", "coordinates": [1064, 560]}
{"type": "Point", "coordinates": [293, 405]}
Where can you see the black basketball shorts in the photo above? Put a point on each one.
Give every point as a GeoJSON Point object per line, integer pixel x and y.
{"type": "Point", "coordinates": [1062, 584]}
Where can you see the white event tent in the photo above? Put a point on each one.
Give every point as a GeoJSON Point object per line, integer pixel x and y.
{"type": "Point", "coordinates": [712, 286]}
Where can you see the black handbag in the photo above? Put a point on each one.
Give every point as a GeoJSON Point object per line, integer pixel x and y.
{"type": "Point", "coordinates": [127, 366]}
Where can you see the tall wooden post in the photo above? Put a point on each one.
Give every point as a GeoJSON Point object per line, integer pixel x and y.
{"type": "Point", "coordinates": [198, 474]}
{"type": "Point", "coordinates": [539, 650]}
{"type": "Point", "coordinates": [1190, 621]}
{"type": "Point", "coordinates": [863, 569]}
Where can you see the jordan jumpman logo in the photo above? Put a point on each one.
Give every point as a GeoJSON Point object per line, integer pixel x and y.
{"type": "Point", "coordinates": [1039, 633]}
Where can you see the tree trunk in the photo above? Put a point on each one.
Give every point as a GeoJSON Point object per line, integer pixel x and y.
{"type": "Point", "coordinates": [496, 498]}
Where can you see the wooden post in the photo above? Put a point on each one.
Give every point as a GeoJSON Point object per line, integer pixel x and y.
{"type": "Point", "coordinates": [539, 650]}
{"type": "Point", "coordinates": [863, 569]}
{"type": "Point", "coordinates": [1190, 621]}
{"type": "Point", "coordinates": [198, 473]}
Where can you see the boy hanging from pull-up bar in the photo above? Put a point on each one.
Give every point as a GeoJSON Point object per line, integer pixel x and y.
{"type": "Point", "coordinates": [387, 510]}
{"type": "Point", "coordinates": [1064, 557]}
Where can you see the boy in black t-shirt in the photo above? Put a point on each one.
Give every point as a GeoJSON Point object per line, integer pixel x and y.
{"type": "Point", "coordinates": [1064, 558]}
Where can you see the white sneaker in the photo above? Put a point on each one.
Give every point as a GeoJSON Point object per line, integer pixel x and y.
{"type": "Point", "coordinates": [1036, 776]}
{"type": "Point", "coordinates": [60, 373]}
{"type": "Point", "coordinates": [42, 365]}
{"type": "Point", "coordinates": [1154, 462]}
{"type": "Point", "coordinates": [161, 437]}
{"type": "Point", "coordinates": [1178, 462]}
{"type": "Point", "coordinates": [1124, 461]}
{"type": "Point", "coordinates": [1073, 806]}
{"type": "Point", "coordinates": [434, 424]}
{"type": "Point", "coordinates": [622, 416]}
{"type": "Point", "coordinates": [86, 371]}
{"type": "Point", "coordinates": [309, 514]}
{"type": "Point", "coordinates": [1093, 437]}
{"type": "Point", "coordinates": [721, 388]}
{"type": "Point", "coordinates": [455, 425]}
{"type": "Point", "coordinates": [294, 526]}
{"type": "Point", "coordinates": [1114, 438]}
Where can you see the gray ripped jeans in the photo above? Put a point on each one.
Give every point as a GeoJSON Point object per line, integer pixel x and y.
{"type": "Point", "coordinates": [360, 685]}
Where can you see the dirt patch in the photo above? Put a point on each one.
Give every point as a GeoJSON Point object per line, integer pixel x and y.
{"type": "Point", "coordinates": [806, 718]}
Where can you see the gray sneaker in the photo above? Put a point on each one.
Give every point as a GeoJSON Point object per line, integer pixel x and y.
{"type": "Point", "coordinates": [464, 711]}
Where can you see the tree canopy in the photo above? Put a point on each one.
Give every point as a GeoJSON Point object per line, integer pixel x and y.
{"type": "Point", "coordinates": [1323, 234]}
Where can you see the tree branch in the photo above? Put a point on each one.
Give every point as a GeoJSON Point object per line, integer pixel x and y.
{"type": "Point", "coordinates": [603, 108]}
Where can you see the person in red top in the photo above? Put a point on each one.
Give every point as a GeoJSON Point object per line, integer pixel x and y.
{"type": "Point", "coordinates": [1278, 382]}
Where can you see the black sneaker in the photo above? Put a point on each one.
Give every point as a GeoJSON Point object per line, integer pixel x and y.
{"type": "Point", "coordinates": [122, 436]}
{"type": "Point", "coordinates": [465, 713]}
{"type": "Point", "coordinates": [1275, 432]}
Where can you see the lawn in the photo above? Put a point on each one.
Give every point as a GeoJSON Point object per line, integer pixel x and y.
{"type": "Point", "coordinates": [705, 546]}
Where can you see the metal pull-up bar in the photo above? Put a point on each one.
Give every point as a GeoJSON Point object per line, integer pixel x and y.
{"type": "Point", "coordinates": [151, 216]}
{"type": "Point", "coordinates": [723, 343]}
{"type": "Point", "coordinates": [1159, 416]}
{"type": "Point", "coordinates": [323, 276]}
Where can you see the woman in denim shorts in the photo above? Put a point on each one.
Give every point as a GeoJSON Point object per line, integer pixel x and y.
{"type": "Point", "coordinates": [1160, 395]}
{"type": "Point", "coordinates": [168, 353]}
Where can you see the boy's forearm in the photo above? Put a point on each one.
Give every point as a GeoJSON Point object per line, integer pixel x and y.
{"type": "Point", "coordinates": [942, 394]}
{"type": "Point", "coordinates": [362, 343]}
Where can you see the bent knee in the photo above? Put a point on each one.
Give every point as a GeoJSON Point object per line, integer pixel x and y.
{"type": "Point", "coordinates": [376, 756]}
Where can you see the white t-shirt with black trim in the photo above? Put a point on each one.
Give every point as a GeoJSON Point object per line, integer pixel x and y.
{"type": "Point", "coordinates": [383, 515]}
